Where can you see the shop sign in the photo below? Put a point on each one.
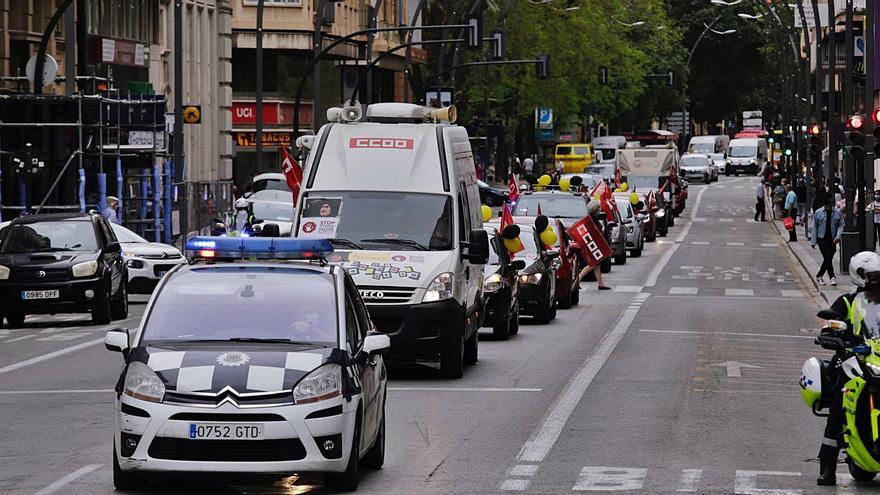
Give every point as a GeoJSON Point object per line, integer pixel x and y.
{"type": "Point", "coordinates": [120, 52]}
{"type": "Point", "coordinates": [145, 139]}
{"type": "Point", "coordinates": [249, 139]}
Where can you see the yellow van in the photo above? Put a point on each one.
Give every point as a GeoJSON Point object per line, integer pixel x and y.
{"type": "Point", "coordinates": [575, 156]}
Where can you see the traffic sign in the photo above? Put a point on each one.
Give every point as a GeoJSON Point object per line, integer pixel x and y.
{"type": "Point", "coordinates": [192, 114]}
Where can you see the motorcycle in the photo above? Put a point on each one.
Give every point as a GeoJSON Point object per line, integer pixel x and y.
{"type": "Point", "coordinates": [859, 359]}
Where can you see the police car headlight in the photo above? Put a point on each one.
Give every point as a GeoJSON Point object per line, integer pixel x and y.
{"type": "Point", "coordinates": [530, 278]}
{"type": "Point", "coordinates": [440, 288]}
{"type": "Point", "coordinates": [85, 269]}
{"type": "Point", "coordinates": [322, 384]}
{"type": "Point", "coordinates": [4, 272]}
{"type": "Point", "coordinates": [493, 283]}
{"type": "Point", "coordinates": [142, 383]}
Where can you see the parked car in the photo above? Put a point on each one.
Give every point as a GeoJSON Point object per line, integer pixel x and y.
{"type": "Point", "coordinates": [62, 263]}
{"type": "Point", "coordinates": [492, 196]}
{"type": "Point", "coordinates": [633, 223]}
{"type": "Point", "coordinates": [537, 281]}
{"type": "Point", "coordinates": [700, 167]}
{"type": "Point", "coordinates": [649, 209]}
{"type": "Point", "coordinates": [617, 237]}
{"type": "Point", "coordinates": [146, 262]}
{"type": "Point", "coordinates": [720, 161]}
{"type": "Point", "coordinates": [501, 289]}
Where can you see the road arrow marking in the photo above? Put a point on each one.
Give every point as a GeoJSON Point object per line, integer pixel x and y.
{"type": "Point", "coordinates": [734, 368]}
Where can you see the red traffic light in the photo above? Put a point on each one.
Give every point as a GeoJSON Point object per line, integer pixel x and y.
{"type": "Point", "coordinates": [855, 122]}
{"type": "Point", "coordinates": [815, 130]}
{"type": "Point", "coordinates": [875, 116]}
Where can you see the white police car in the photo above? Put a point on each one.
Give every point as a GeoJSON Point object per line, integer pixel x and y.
{"type": "Point", "coordinates": [251, 367]}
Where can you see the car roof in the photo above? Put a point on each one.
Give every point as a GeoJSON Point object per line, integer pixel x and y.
{"type": "Point", "coordinates": [52, 217]}
{"type": "Point", "coordinates": [305, 268]}
{"type": "Point", "coordinates": [704, 155]}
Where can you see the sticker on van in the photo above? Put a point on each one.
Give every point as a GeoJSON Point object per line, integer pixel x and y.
{"type": "Point", "coordinates": [381, 143]}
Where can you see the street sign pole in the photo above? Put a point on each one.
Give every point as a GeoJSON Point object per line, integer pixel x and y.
{"type": "Point", "coordinates": [868, 188]}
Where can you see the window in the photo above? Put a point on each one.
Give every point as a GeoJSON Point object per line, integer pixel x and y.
{"type": "Point", "coordinates": [354, 327]}
{"type": "Point", "coordinates": [275, 3]}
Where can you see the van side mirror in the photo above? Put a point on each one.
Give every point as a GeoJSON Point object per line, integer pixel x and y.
{"type": "Point", "coordinates": [117, 340]}
{"type": "Point", "coordinates": [477, 247]}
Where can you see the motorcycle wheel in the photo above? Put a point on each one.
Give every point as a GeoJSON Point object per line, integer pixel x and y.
{"type": "Point", "coordinates": [858, 473]}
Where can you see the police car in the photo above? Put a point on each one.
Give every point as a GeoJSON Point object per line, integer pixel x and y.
{"type": "Point", "coordinates": [254, 366]}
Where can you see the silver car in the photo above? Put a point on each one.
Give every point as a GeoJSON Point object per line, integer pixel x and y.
{"type": "Point", "coordinates": [697, 166]}
{"type": "Point", "coordinates": [633, 223]}
{"type": "Point", "coordinates": [720, 162]}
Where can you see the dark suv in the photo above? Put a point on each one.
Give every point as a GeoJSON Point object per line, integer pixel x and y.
{"type": "Point", "coordinates": [61, 263]}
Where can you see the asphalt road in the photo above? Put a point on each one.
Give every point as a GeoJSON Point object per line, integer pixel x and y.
{"type": "Point", "coordinates": [681, 380]}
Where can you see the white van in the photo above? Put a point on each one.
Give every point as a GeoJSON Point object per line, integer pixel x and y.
{"type": "Point", "coordinates": [396, 193]}
{"type": "Point", "coordinates": [708, 145]}
{"type": "Point", "coordinates": [747, 155]}
{"type": "Point", "coordinates": [608, 145]}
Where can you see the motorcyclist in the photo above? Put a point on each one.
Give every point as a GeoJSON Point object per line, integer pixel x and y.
{"type": "Point", "coordinates": [243, 217]}
{"type": "Point", "coordinates": [864, 270]}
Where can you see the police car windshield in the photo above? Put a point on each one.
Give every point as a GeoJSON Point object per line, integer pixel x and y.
{"type": "Point", "coordinates": [553, 205]}
{"type": "Point", "coordinates": [244, 302]}
{"type": "Point", "coordinates": [76, 235]}
{"type": "Point", "coordinates": [383, 221]}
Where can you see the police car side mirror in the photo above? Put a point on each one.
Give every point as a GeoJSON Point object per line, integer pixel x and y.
{"type": "Point", "coordinates": [117, 340]}
{"type": "Point", "coordinates": [477, 247]}
{"type": "Point", "coordinates": [377, 344]}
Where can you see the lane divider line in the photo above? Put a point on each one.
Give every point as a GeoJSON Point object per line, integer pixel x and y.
{"type": "Point", "coordinates": [735, 334]}
{"type": "Point", "coordinates": [51, 355]}
{"type": "Point", "coordinates": [57, 485]}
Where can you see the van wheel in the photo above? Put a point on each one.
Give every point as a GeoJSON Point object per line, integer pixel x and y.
{"type": "Point", "coordinates": [501, 329]}
{"type": "Point", "coordinates": [347, 481]}
{"type": "Point", "coordinates": [15, 320]}
{"type": "Point", "coordinates": [858, 473]}
{"type": "Point", "coordinates": [452, 361]}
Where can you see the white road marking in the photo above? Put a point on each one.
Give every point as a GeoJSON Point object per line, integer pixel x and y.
{"type": "Point", "coordinates": [462, 389]}
{"type": "Point", "coordinates": [610, 479]}
{"type": "Point", "coordinates": [515, 485]}
{"type": "Point", "coordinates": [735, 244]}
{"type": "Point", "coordinates": [739, 292]}
{"type": "Point", "coordinates": [734, 368]}
{"type": "Point", "coordinates": [793, 293]}
{"type": "Point", "coordinates": [769, 244]}
{"type": "Point", "coordinates": [699, 220]}
{"type": "Point", "coordinates": [51, 355]}
{"type": "Point", "coordinates": [651, 281]}
{"type": "Point", "coordinates": [545, 436]}
{"type": "Point", "coordinates": [684, 290]}
{"type": "Point", "coordinates": [628, 288]}
{"type": "Point", "coordinates": [23, 337]}
{"type": "Point", "coordinates": [763, 298]}
{"type": "Point", "coordinates": [690, 478]}
{"type": "Point", "coordinates": [523, 470]}
{"type": "Point", "coordinates": [747, 483]}
{"type": "Point", "coordinates": [725, 220]}
{"type": "Point", "coordinates": [700, 243]}
{"type": "Point", "coordinates": [71, 391]}
{"type": "Point", "coordinates": [734, 334]}
{"type": "Point", "coordinates": [57, 485]}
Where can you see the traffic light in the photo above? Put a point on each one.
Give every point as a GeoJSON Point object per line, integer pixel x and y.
{"type": "Point", "coordinates": [771, 140]}
{"type": "Point", "coordinates": [499, 45]}
{"type": "Point", "coordinates": [856, 126]}
{"type": "Point", "coordinates": [603, 76]}
{"type": "Point", "coordinates": [815, 140]}
{"type": "Point", "coordinates": [787, 146]}
{"type": "Point", "coordinates": [542, 66]}
{"type": "Point", "coordinates": [875, 116]}
{"type": "Point", "coordinates": [475, 33]}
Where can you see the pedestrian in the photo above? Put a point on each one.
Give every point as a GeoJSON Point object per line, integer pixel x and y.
{"type": "Point", "coordinates": [874, 206]}
{"type": "Point", "coordinates": [490, 172]}
{"type": "Point", "coordinates": [791, 211]}
{"type": "Point", "coordinates": [800, 191]}
{"type": "Point", "coordinates": [827, 229]}
{"type": "Point", "coordinates": [529, 165]}
{"type": "Point", "coordinates": [110, 212]}
{"type": "Point", "coordinates": [595, 211]}
{"type": "Point", "coordinates": [560, 168]}
{"type": "Point", "coordinates": [760, 208]}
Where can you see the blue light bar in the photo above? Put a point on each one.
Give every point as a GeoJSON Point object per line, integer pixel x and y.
{"type": "Point", "coordinates": [259, 248]}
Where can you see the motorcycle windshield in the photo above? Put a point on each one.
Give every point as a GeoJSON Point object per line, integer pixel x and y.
{"type": "Point", "coordinates": [867, 306]}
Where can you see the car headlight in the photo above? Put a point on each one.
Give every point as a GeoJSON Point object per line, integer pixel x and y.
{"type": "Point", "coordinates": [660, 214]}
{"type": "Point", "coordinates": [142, 383]}
{"type": "Point", "coordinates": [530, 278]}
{"type": "Point", "coordinates": [322, 384]}
{"type": "Point", "coordinates": [630, 229]}
{"type": "Point", "coordinates": [440, 288]}
{"type": "Point", "coordinates": [493, 283]}
{"type": "Point", "coordinates": [4, 272]}
{"type": "Point", "coordinates": [85, 269]}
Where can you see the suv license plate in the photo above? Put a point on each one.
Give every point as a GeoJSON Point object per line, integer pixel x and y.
{"type": "Point", "coordinates": [225, 431]}
{"type": "Point", "coordinates": [40, 294]}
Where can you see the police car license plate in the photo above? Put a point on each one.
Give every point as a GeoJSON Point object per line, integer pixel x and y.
{"type": "Point", "coordinates": [225, 431]}
{"type": "Point", "coordinates": [40, 294]}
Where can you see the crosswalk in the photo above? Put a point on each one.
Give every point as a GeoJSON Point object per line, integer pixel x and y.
{"type": "Point", "coordinates": [723, 292]}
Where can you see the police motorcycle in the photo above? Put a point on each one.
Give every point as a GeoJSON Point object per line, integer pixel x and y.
{"type": "Point", "coordinates": [859, 358]}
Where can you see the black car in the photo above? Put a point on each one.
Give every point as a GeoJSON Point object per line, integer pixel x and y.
{"type": "Point", "coordinates": [61, 263]}
{"type": "Point", "coordinates": [501, 290]}
{"type": "Point", "coordinates": [537, 281]}
{"type": "Point", "coordinates": [492, 196]}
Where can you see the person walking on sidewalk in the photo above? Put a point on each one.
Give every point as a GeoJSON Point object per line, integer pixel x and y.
{"type": "Point", "coordinates": [790, 210]}
{"type": "Point", "coordinates": [760, 207]}
{"type": "Point", "coordinates": [827, 229]}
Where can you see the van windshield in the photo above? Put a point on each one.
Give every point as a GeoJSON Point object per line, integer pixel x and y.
{"type": "Point", "coordinates": [742, 151]}
{"type": "Point", "coordinates": [703, 148]}
{"type": "Point", "coordinates": [384, 221]}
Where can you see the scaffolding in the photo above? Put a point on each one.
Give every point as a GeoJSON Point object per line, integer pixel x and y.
{"type": "Point", "coordinates": [112, 134]}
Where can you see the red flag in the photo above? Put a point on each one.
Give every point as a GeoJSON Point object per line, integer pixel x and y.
{"type": "Point", "coordinates": [594, 247]}
{"type": "Point", "coordinates": [513, 189]}
{"type": "Point", "coordinates": [292, 172]}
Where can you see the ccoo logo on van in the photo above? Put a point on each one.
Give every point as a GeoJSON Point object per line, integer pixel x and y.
{"type": "Point", "coordinates": [381, 143]}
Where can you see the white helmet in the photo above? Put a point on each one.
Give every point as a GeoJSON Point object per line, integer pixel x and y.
{"type": "Point", "coordinates": [241, 204]}
{"type": "Point", "coordinates": [863, 264]}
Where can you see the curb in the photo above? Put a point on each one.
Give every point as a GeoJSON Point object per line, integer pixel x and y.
{"type": "Point", "coordinates": [801, 263]}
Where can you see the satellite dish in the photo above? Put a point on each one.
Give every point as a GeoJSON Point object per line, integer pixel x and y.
{"type": "Point", "coordinates": [50, 69]}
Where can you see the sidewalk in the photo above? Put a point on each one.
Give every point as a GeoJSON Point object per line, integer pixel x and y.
{"type": "Point", "coordinates": [811, 260]}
